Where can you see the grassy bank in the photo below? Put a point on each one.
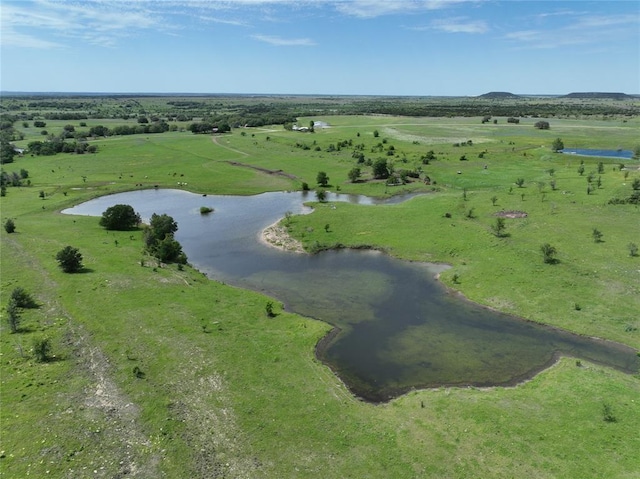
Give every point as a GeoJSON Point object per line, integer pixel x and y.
{"type": "Point", "coordinates": [161, 372]}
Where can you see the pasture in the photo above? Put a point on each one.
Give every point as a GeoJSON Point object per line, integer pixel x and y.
{"type": "Point", "coordinates": [159, 370]}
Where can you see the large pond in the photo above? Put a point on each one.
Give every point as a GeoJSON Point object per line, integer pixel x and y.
{"type": "Point", "coordinates": [397, 328]}
{"type": "Point", "coordinates": [622, 154]}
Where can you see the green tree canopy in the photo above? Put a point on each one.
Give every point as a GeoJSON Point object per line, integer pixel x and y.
{"type": "Point", "coordinates": [69, 259]}
{"type": "Point", "coordinates": [354, 174]}
{"type": "Point", "coordinates": [381, 169]}
{"type": "Point", "coordinates": [120, 217]}
{"type": "Point", "coordinates": [557, 145]}
{"type": "Point", "coordinates": [159, 227]}
{"type": "Point", "coordinates": [322, 179]}
{"type": "Point", "coordinates": [160, 242]}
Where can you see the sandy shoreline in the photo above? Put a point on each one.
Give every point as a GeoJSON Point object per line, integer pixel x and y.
{"type": "Point", "coordinates": [277, 236]}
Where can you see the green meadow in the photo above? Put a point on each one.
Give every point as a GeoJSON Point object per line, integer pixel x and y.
{"type": "Point", "coordinates": [157, 371]}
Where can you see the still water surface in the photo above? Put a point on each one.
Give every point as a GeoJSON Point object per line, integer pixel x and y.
{"type": "Point", "coordinates": [397, 328]}
{"type": "Point", "coordinates": [622, 154]}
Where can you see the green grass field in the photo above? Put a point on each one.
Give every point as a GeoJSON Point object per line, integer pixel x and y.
{"type": "Point", "coordinates": [224, 391]}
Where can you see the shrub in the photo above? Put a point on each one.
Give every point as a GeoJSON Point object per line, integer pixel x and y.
{"type": "Point", "coordinates": [22, 298]}
{"type": "Point", "coordinates": [205, 210]}
{"type": "Point", "coordinates": [549, 253]}
{"type": "Point", "coordinates": [607, 413]}
{"type": "Point", "coordinates": [69, 259]}
{"type": "Point", "coordinates": [42, 349]}
{"type": "Point", "coordinates": [268, 308]}
{"type": "Point", "coordinates": [9, 226]}
{"type": "Point", "coordinates": [597, 235]}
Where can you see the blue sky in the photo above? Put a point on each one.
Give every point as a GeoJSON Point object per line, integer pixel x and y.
{"type": "Point", "coordinates": [364, 47]}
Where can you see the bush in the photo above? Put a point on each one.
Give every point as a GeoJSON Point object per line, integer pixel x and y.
{"type": "Point", "coordinates": [42, 349]}
{"type": "Point", "coordinates": [549, 253]}
{"type": "Point", "coordinates": [69, 259]}
{"type": "Point", "coordinates": [22, 298]}
{"type": "Point", "coordinates": [9, 226]}
{"type": "Point", "coordinates": [205, 210]}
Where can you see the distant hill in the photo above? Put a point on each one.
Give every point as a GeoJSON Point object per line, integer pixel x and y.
{"type": "Point", "coordinates": [499, 95]}
{"type": "Point", "coordinates": [590, 95]}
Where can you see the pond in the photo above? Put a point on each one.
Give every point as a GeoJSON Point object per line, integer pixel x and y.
{"type": "Point", "coordinates": [396, 327]}
{"type": "Point", "coordinates": [622, 154]}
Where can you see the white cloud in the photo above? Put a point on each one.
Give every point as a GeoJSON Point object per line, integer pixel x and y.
{"type": "Point", "coordinates": [278, 41]}
{"type": "Point", "coordinates": [376, 8]}
{"type": "Point", "coordinates": [208, 19]}
{"type": "Point", "coordinates": [460, 25]}
{"type": "Point", "coordinates": [32, 24]}
{"type": "Point", "coordinates": [579, 29]}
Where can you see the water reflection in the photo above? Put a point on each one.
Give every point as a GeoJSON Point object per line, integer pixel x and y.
{"type": "Point", "coordinates": [397, 328]}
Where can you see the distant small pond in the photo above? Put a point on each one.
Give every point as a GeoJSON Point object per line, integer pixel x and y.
{"type": "Point", "coordinates": [397, 328]}
{"type": "Point", "coordinates": [622, 154]}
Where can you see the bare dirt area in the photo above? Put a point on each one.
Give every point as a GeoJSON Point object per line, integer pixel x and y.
{"type": "Point", "coordinates": [277, 236]}
{"type": "Point", "coordinates": [245, 165]}
{"type": "Point", "coordinates": [104, 414]}
{"type": "Point", "coordinates": [512, 214]}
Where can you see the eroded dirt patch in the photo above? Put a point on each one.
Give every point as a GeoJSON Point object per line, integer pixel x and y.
{"type": "Point", "coordinates": [512, 214]}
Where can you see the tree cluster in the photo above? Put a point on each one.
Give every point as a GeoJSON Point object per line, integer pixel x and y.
{"type": "Point", "coordinates": [209, 127]}
{"type": "Point", "coordinates": [160, 242]}
{"type": "Point", "coordinates": [59, 145]}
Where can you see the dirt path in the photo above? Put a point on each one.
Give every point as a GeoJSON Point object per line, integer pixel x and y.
{"type": "Point", "coordinates": [246, 165]}
{"type": "Point", "coordinates": [103, 398]}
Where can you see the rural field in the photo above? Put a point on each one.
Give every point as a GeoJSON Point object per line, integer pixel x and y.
{"type": "Point", "coordinates": [155, 370]}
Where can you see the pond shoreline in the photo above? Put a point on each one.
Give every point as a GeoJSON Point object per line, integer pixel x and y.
{"type": "Point", "coordinates": [277, 236]}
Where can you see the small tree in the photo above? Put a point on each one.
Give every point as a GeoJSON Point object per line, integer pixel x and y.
{"type": "Point", "coordinates": [549, 253]}
{"type": "Point", "coordinates": [322, 179]}
{"type": "Point", "coordinates": [542, 125]}
{"type": "Point", "coordinates": [633, 249]}
{"type": "Point", "coordinates": [13, 316]}
{"type": "Point", "coordinates": [42, 349]}
{"type": "Point", "coordinates": [268, 309]}
{"type": "Point", "coordinates": [321, 195]}
{"type": "Point", "coordinates": [381, 169]}
{"type": "Point", "coordinates": [581, 169]}
{"type": "Point", "coordinates": [354, 174]}
{"type": "Point", "coordinates": [597, 235]}
{"type": "Point", "coordinates": [520, 182]}
{"type": "Point", "coordinates": [22, 298]}
{"type": "Point", "coordinates": [9, 226]}
{"type": "Point", "coordinates": [120, 217]}
{"type": "Point", "coordinates": [494, 200]}
{"type": "Point", "coordinates": [557, 145]}
{"type": "Point", "coordinates": [69, 259]}
{"type": "Point", "coordinates": [498, 227]}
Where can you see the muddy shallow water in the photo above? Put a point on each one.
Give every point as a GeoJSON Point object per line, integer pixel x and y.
{"type": "Point", "coordinates": [397, 328]}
